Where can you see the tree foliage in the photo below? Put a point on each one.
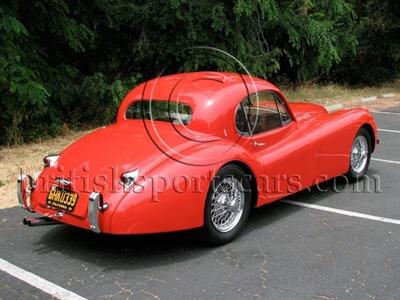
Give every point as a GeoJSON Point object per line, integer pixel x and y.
{"type": "Point", "coordinates": [377, 58]}
{"type": "Point", "coordinates": [68, 64]}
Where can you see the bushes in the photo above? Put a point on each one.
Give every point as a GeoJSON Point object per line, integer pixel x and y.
{"type": "Point", "coordinates": [65, 64]}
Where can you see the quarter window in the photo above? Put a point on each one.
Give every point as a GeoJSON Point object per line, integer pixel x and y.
{"type": "Point", "coordinates": [261, 112]}
{"type": "Point", "coordinates": [285, 117]}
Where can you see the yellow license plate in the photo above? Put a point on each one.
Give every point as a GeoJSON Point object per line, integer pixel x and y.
{"type": "Point", "coordinates": [61, 199]}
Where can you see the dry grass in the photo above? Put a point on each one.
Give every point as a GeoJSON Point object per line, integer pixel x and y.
{"type": "Point", "coordinates": [29, 157]}
{"type": "Point", "coordinates": [334, 93]}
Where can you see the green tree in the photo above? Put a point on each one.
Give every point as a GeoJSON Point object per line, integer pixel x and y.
{"type": "Point", "coordinates": [69, 64]}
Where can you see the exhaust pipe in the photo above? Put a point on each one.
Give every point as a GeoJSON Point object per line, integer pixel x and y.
{"type": "Point", "coordinates": [39, 221]}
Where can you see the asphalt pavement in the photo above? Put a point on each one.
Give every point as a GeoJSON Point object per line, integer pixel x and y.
{"type": "Point", "coordinates": [285, 252]}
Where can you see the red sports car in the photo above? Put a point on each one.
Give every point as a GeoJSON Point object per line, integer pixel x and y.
{"type": "Point", "coordinates": [197, 150]}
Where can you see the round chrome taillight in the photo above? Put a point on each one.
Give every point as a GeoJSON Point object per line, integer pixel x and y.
{"type": "Point", "coordinates": [50, 160]}
{"type": "Point", "coordinates": [128, 178]}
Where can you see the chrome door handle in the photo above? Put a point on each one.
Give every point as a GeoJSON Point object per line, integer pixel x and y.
{"type": "Point", "coordinates": [258, 144]}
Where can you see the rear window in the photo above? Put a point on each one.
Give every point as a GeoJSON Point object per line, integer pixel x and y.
{"type": "Point", "coordinates": [158, 110]}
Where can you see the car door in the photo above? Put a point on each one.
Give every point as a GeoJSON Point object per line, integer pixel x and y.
{"type": "Point", "coordinates": [288, 161]}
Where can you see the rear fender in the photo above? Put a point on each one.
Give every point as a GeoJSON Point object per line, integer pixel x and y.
{"type": "Point", "coordinates": [178, 194]}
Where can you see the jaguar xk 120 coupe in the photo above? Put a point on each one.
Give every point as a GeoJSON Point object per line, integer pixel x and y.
{"type": "Point", "coordinates": [197, 150]}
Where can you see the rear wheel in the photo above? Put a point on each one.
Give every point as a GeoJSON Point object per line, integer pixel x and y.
{"type": "Point", "coordinates": [360, 155]}
{"type": "Point", "coordinates": [228, 205]}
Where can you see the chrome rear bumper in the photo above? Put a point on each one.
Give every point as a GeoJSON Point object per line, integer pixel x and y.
{"type": "Point", "coordinates": [95, 206]}
{"type": "Point", "coordinates": [19, 190]}
{"type": "Point", "coordinates": [26, 184]}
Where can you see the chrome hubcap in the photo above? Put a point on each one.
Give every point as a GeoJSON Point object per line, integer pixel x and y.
{"type": "Point", "coordinates": [227, 204]}
{"type": "Point", "coordinates": [359, 154]}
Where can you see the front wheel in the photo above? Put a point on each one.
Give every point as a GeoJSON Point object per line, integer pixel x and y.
{"type": "Point", "coordinates": [227, 206]}
{"type": "Point", "coordinates": [360, 155]}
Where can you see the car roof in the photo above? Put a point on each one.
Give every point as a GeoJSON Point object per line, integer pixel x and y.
{"type": "Point", "coordinates": [197, 87]}
{"type": "Point", "coordinates": [213, 96]}
{"type": "Point", "coordinates": [210, 81]}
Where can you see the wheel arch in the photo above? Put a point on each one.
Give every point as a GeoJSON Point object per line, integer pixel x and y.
{"type": "Point", "coordinates": [253, 179]}
{"type": "Point", "coordinates": [371, 132]}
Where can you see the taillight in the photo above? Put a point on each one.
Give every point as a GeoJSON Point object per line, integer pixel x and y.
{"type": "Point", "coordinates": [128, 178]}
{"type": "Point", "coordinates": [50, 160]}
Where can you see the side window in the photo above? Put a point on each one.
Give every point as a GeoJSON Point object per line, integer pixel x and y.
{"type": "Point", "coordinates": [261, 112]}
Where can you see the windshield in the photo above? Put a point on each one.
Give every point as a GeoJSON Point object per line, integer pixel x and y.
{"type": "Point", "coordinates": [159, 110]}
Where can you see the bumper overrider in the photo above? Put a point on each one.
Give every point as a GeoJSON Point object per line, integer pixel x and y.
{"type": "Point", "coordinates": [25, 187]}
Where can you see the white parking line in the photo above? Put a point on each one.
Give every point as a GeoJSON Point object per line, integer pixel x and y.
{"type": "Point", "coordinates": [386, 113]}
{"type": "Point", "coordinates": [389, 130]}
{"type": "Point", "coordinates": [38, 282]}
{"type": "Point", "coordinates": [343, 212]}
{"type": "Point", "coordinates": [386, 161]}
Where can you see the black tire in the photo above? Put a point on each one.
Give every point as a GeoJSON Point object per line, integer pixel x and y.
{"type": "Point", "coordinates": [210, 234]}
{"type": "Point", "coordinates": [353, 174]}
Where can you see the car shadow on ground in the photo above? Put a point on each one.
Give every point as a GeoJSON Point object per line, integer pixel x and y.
{"type": "Point", "coordinates": [146, 251]}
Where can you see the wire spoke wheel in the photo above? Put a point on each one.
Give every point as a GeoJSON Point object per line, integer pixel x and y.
{"type": "Point", "coordinates": [359, 154]}
{"type": "Point", "coordinates": [227, 204]}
